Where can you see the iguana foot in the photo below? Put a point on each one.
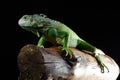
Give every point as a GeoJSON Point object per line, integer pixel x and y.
{"type": "Point", "coordinates": [40, 46]}
{"type": "Point", "coordinates": [68, 52]}
{"type": "Point", "coordinates": [100, 62]}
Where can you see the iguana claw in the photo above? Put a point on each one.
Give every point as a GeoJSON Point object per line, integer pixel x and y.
{"type": "Point", "coordinates": [102, 66]}
{"type": "Point", "coordinates": [68, 52]}
{"type": "Point", "coordinates": [100, 62]}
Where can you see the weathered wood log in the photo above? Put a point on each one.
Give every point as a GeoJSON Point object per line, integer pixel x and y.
{"type": "Point", "coordinates": [37, 63]}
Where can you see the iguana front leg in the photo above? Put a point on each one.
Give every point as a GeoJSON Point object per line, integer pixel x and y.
{"type": "Point", "coordinates": [41, 41]}
{"type": "Point", "coordinates": [65, 36]}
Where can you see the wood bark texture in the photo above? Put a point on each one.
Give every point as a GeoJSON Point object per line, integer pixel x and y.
{"type": "Point", "coordinates": [37, 63]}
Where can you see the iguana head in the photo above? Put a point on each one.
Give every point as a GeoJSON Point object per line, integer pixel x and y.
{"type": "Point", "coordinates": [34, 23]}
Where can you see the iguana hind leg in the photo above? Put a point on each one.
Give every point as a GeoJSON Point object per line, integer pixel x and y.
{"type": "Point", "coordinates": [101, 63]}
{"type": "Point", "coordinates": [82, 45]}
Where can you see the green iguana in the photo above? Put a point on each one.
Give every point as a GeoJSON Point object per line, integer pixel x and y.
{"type": "Point", "coordinates": [58, 33]}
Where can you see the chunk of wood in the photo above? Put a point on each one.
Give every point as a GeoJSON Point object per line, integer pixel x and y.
{"type": "Point", "coordinates": [37, 63]}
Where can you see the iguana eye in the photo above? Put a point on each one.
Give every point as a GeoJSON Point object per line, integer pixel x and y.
{"type": "Point", "coordinates": [26, 17]}
{"type": "Point", "coordinates": [43, 15]}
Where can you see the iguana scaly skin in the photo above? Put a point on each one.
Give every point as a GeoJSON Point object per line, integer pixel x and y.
{"type": "Point", "coordinates": [58, 33]}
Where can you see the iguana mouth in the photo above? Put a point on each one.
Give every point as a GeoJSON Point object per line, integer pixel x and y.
{"type": "Point", "coordinates": [33, 28]}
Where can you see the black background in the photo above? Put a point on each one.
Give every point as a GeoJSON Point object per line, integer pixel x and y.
{"type": "Point", "coordinates": [98, 26]}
